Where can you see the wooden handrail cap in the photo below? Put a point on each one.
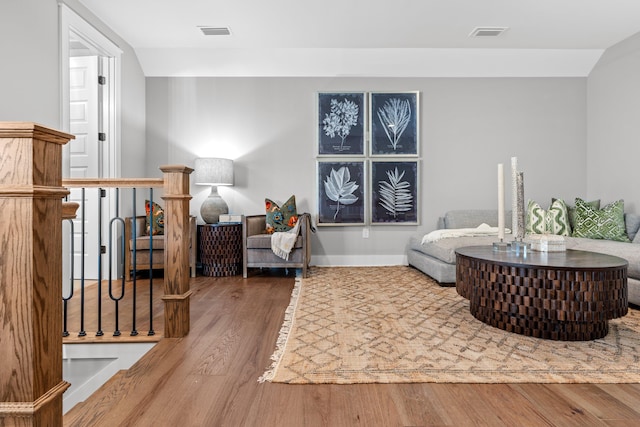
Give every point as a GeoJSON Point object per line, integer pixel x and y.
{"type": "Point", "coordinates": [69, 210]}
{"type": "Point", "coordinates": [31, 129]}
{"type": "Point", "coordinates": [176, 168]}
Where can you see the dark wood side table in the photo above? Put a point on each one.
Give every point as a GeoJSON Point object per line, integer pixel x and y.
{"type": "Point", "coordinates": [554, 295]}
{"type": "Point", "coordinates": [220, 249]}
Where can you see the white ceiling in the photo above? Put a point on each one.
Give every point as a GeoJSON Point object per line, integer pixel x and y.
{"type": "Point", "coordinates": [369, 37]}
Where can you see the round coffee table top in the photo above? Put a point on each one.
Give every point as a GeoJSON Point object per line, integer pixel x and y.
{"type": "Point", "coordinates": [570, 259]}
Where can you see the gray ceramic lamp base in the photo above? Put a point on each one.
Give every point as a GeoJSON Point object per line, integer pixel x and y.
{"type": "Point", "coordinates": [213, 207]}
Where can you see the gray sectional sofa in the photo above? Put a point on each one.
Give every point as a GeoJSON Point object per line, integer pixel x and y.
{"type": "Point", "coordinates": [438, 259]}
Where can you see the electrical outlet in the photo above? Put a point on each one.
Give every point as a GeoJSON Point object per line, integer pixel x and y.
{"type": "Point", "coordinates": [365, 233]}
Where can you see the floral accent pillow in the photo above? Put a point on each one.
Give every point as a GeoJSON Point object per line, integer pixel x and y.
{"type": "Point", "coordinates": [281, 218]}
{"type": "Point", "coordinates": [606, 223]}
{"type": "Point", "coordinates": [155, 222]}
{"type": "Point", "coordinates": [553, 221]}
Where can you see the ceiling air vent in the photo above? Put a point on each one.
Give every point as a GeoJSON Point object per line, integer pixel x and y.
{"type": "Point", "coordinates": [215, 31]}
{"type": "Point", "coordinates": [488, 31]}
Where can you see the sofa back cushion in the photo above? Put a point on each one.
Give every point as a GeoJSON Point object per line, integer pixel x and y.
{"type": "Point", "coordinates": [632, 224]}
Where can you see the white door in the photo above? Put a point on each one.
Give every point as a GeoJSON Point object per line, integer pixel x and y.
{"type": "Point", "coordinates": [85, 158]}
{"type": "Point", "coordinates": [83, 47]}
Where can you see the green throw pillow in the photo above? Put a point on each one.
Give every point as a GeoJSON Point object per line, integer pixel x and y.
{"type": "Point", "coordinates": [595, 204]}
{"type": "Point", "coordinates": [157, 221]}
{"type": "Point", "coordinates": [281, 218]}
{"type": "Point", "coordinates": [606, 223]}
{"type": "Point", "coordinates": [553, 221]}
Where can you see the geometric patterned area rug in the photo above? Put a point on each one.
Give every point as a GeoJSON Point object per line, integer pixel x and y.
{"type": "Point", "coordinates": [350, 325]}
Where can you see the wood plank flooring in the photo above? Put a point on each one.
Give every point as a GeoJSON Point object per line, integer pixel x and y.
{"type": "Point", "coordinates": [209, 378]}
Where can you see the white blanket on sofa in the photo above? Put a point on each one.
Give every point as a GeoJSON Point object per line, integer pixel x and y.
{"type": "Point", "coordinates": [282, 242]}
{"type": "Point", "coordinates": [447, 233]}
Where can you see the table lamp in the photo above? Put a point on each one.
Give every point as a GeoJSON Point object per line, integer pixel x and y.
{"type": "Point", "coordinates": [213, 172]}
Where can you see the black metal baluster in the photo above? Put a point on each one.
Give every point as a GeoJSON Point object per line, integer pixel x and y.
{"type": "Point", "coordinates": [116, 300]}
{"type": "Point", "coordinates": [65, 300]}
{"type": "Point", "coordinates": [151, 224]}
{"type": "Point", "coordinates": [82, 332]}
{"type": "Point", "coordinates": [101, 194]}
{"type": "Point", "coordinates": [116, 332]}
{"type": "Point", "coordinates": [134, 332]}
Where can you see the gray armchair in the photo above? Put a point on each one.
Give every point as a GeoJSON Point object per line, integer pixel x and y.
{"type": "Point", "coordinates": [256, 246]}
{"type": "Point", "coordinates": [143, 261]}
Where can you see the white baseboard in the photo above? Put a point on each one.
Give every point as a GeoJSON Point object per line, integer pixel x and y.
{"type": "Point", "coordinates": [358, 260]}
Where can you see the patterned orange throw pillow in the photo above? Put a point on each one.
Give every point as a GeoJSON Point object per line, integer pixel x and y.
{"type": "Point", "coordinates": [281, 218]}
{"type": "Point", "coordinates": [157, 221]}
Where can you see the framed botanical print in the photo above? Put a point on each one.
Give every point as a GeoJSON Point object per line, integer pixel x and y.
{"type": "Point", "coordinates": [341, 124]}
{"type": "Point", "coordinates": [394, 192]}
{"type": "Point", "coordinates": [341, 192]}
{"type": "Point", "coordinates": [393, 121]}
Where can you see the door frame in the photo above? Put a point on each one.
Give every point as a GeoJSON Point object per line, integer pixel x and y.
{"type": "Point", "coordinates": [110, 54]}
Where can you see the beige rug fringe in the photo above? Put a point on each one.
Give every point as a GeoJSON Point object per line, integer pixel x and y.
{"type": "Point", "coordinates": [283, 335]}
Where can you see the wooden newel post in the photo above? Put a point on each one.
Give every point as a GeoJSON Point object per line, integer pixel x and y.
{"type": "Point", "coordinates": [31, 384]}
{"type": "Point", "coordinates": [176, 252]}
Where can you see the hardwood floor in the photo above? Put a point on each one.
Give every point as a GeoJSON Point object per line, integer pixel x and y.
{"type": "Point", "coordinates": [145, 321]}
{"type": "Point", "coordinates": [209, 378]}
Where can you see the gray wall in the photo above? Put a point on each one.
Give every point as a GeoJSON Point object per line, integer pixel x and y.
{"type": "Point", "coordinates": [468, 126]}
{"type": "Point", "coordinates": [30, 74]}
{"type": "Point", "coordinates": [613, 149]}
{"type": "Point", "coordinates": [573, 137]}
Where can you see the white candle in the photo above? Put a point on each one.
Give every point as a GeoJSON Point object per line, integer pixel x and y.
{"type": "Point", "coordinates": [500, 202]}
{"type": "Point", "coordinates": [514, 196]}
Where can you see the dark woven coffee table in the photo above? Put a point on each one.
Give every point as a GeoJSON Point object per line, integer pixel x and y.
{"type": "Point", "coordinates": [554, 295]}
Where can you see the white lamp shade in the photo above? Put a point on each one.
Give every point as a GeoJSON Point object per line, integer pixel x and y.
{"type": "Point", "coordinates": [213, 171]}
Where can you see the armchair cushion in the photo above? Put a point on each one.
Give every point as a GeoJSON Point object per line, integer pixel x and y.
{"type": "Point", "coordinates": [263, 241]}
{"type": "Point", "coordinates": [142, 243]}
{"type": "Point", "coordinates": [142, 259]}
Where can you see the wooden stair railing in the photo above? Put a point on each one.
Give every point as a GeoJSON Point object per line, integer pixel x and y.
{"type": "Point", "coordinates": [31, 193]}
{"type": "Point", "coordinates": [175, 184]}
{"type": "Point", "coordinates": [176, 255]}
